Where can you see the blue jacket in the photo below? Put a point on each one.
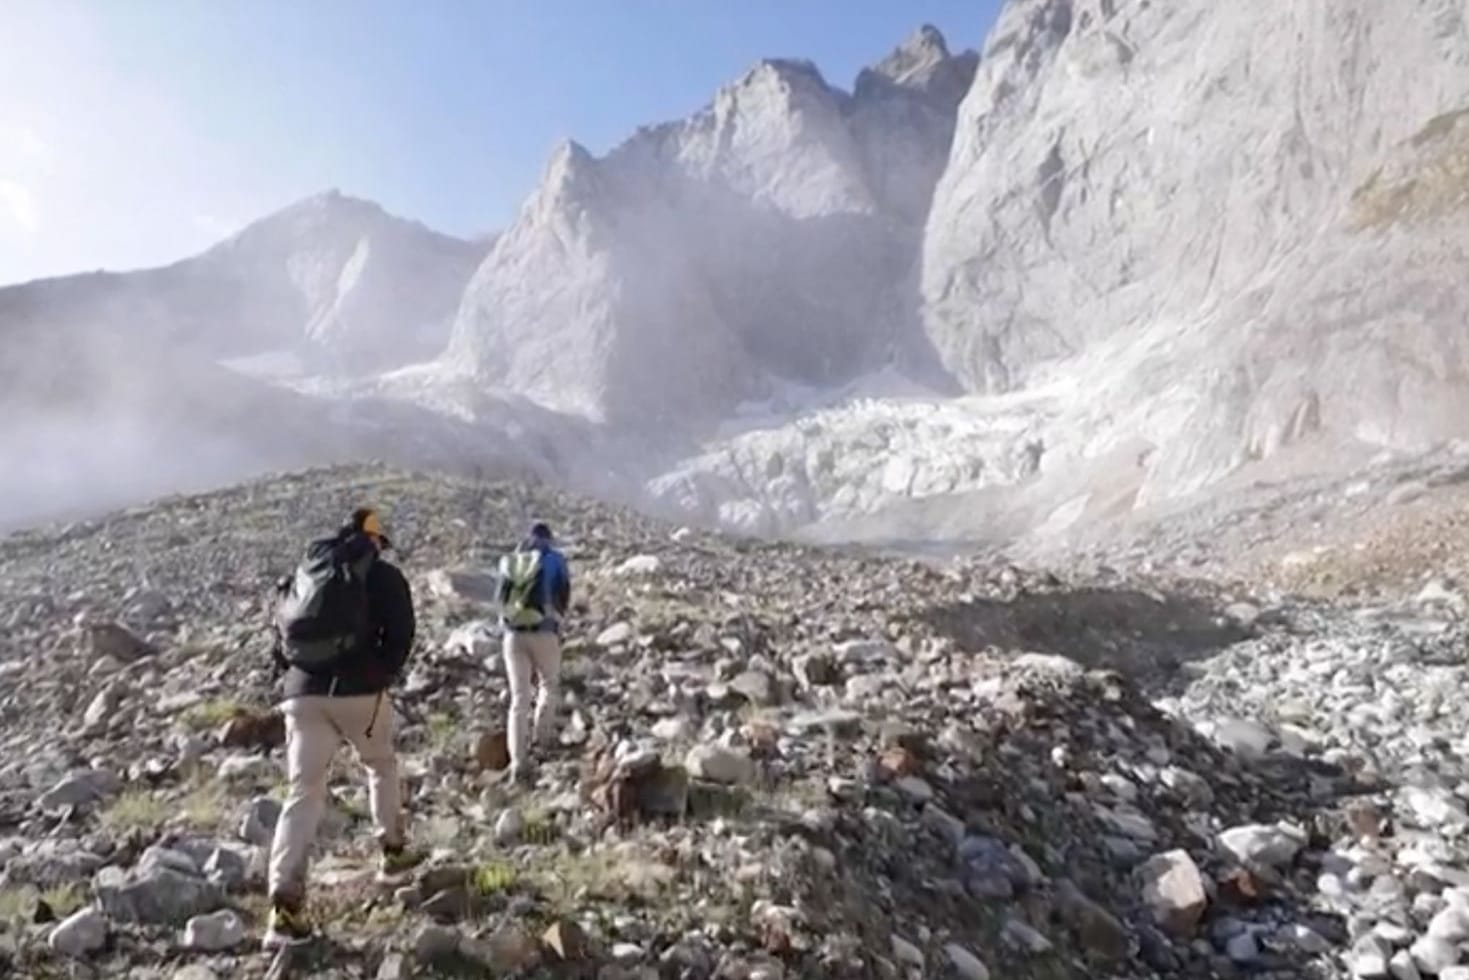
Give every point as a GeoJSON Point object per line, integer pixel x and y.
{"type": "Point", "coordinates": [553, 587]}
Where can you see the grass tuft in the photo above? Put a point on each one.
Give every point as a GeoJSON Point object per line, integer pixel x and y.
{"type": "Point", "coordinates": [135, 810]}
{"type": "Point", "coordinates": [210, 715]}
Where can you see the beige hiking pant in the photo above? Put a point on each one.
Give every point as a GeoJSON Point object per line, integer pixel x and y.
{"type": "Point", "coordinates": [528, 654]}
{"type": "Point", "coordinates": [315, 728]}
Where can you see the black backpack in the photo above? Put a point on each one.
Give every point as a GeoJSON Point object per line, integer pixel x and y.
{"type": "Point", "coordinates": [323, 615]}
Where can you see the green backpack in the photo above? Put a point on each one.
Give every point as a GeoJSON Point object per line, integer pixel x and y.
{"type": "Point", "coordinates": [521, 573]}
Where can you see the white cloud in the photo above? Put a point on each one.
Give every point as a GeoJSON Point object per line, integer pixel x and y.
{"type": "Point", "coordinates": [24, 142]}
{"type": "Point", "coordinates": [18, 207]}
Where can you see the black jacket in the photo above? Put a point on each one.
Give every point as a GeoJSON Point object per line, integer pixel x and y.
{"type": "Point", "coordinates": [374, 667]}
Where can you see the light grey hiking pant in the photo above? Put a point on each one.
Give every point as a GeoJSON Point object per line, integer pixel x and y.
{"type": "Point", "coordinates": [315, 728]}
{"type": "Point", "coordinates": [530, 654]}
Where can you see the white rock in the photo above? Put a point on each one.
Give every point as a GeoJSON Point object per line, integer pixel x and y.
{"type": "Point", "coordinates": [1451, 924]}
{"type": "Point", "coordinates": [1174, 889]}
{"type": "Point", "coordinates": [615, 635]}
{"type": "Point", "coordinates": [719, 764]}
{"type": "Point", "coordinates": [1249, 739]}
{"type": "Point", "coordinates": [1435, 807]}
{"type": "Point", "coordinates": [906, 952]}
{"type": "Point", "coordinates": [968, 966]}
{"type": "Point", "coordinates": [1433, 955]}
{"type": "Point", "coordinates": [640, 565]}
{"type": "Point", "coordinates": [1401, 967]}
{"type": "Point", "coordinates": [214, 933]}
{"type": "Point", "coordinates": [1261, 844]}
{"type": "Point", "coordinates": [80, 934]}
{"type": "Point", "coordinates": [508, 826]}
{"type": "Point", "coordinates": [195, 971]}
{"type": "Point", "coordinates": [478, 640]}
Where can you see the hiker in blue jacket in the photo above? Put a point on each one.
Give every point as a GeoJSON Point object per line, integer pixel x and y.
{"type": "Point", "coordinates": [535, 592]}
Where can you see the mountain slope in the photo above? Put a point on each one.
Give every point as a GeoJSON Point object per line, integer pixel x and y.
{"type": "Point", "coordinates": [337, 279]}
{"type": "Point", "coordinates": [770, 236]}
{"type": "Point", "coordinates": [112, 387]}
{"type": "Point", "coordinates": [1175, 204]}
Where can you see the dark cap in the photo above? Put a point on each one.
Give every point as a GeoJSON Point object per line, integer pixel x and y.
{"type": "Point", "coordinates": [540, 529]}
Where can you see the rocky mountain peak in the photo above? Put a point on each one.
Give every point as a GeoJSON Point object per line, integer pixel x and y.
{"type": "Point", "coordinates": [918, 55]}
{"type": "Point", "coordinates": [784, 181]}
{"type": "Point", "coordinates": [921, 64]}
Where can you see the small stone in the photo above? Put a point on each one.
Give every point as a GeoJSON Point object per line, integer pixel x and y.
{"type": "Point", "coordinates": [195, 971]}
{"type": "Point", "coordinates": [432, 943]}
{"type": "Point", "coordinates": [865, 686]}
{"type": "Point", "coordinates": [395, 966]}
{"type": "Point", "coordinates": [640, 565]}
{"type": "Point", "coordinates": [615, 635]}
{"type": "Point", "coordinates": [1436, 807]}
{"type": "Point", "coordinates": [1451, 924]}
{"type": "Point", "coordinates": [915, 789]}
{"type": "Point", "coordinates": [449, 904]}
{"type": "Point", "coordinates": [226, 868]}
{"type": "Point", "coordinates": [117, 642]}
{"type": "Point", "coordinates": [1400, 967]}
{"type": "Point", "coordinates": [755, 686]}
{"type": "Point", "coordinates": [1247, 739]}
{"type": "Point", "coordinates": [1243, 948]}
{"type": "Point", "coordinates": [79, 935]}
{"type": "Point", "coordinates": [1368, 958]}
{"type": "Point", "coordinates": [906, 952]}
{"type": "Point", "coordinates": [508, 949]}
{"type": "Point", "coordinates": [1305, 939]}
{"type": "Point", "coordinates": [214, 933]}
{"type": "Point", "coordinates": [1096, 928]}
{"type": "Point", "coordinates": [673, 729]}
{"type": "Point", "coordinates": [508, 827]}
{"type": "Point", "coordinates": [1174, 889]}
{"type": "Point", "coordinates": [1193, 788]}
{"type": "Point", "coordinates": [1020, 935]}
{"type": "Point", "coordinates": [1244, 613]}
{"type": "Point", "coordinates": [718, 764]}
{"type": "Point", "coordinates": [627, 952]}
{"type": "Point", "coordinates": [465, 584]}
{"type": "Point", "coordinates": [965, 963]}
{"type": "Point", "coordinates": [1433, 955]}
{"type": "Point", "coordinates": [1261, 844]}
{"type": "Point", "coordinates": [257, 826]}
{"type": "Point", "coordinates": [85, 788]}
{"type": "Point", "coordinates": [248, 770]}
{"type": "Point", "coordinates": [158, 895]}
{"type": "Point", "coordinates": [100, 711]}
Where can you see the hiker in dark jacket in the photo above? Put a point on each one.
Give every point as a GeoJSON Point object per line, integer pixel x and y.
{"type": "Point", "coordinates": [346, 703]}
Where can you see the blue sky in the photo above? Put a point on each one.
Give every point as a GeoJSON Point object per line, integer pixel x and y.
{"type": "Point", "coordinates": [136, 132]}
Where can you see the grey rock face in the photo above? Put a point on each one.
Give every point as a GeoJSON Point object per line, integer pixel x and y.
{"type": "Point", "coordinates": [1280, 229]}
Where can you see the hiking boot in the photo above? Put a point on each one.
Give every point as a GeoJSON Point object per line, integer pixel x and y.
{"type": "Point", "coordinates": [288, 927]}
{"type": "Point", "coordinates": [397, 862]}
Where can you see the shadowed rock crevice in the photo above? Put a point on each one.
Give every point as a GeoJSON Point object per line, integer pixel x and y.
{"type": "Point", "coordinates": [1146, 636]}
